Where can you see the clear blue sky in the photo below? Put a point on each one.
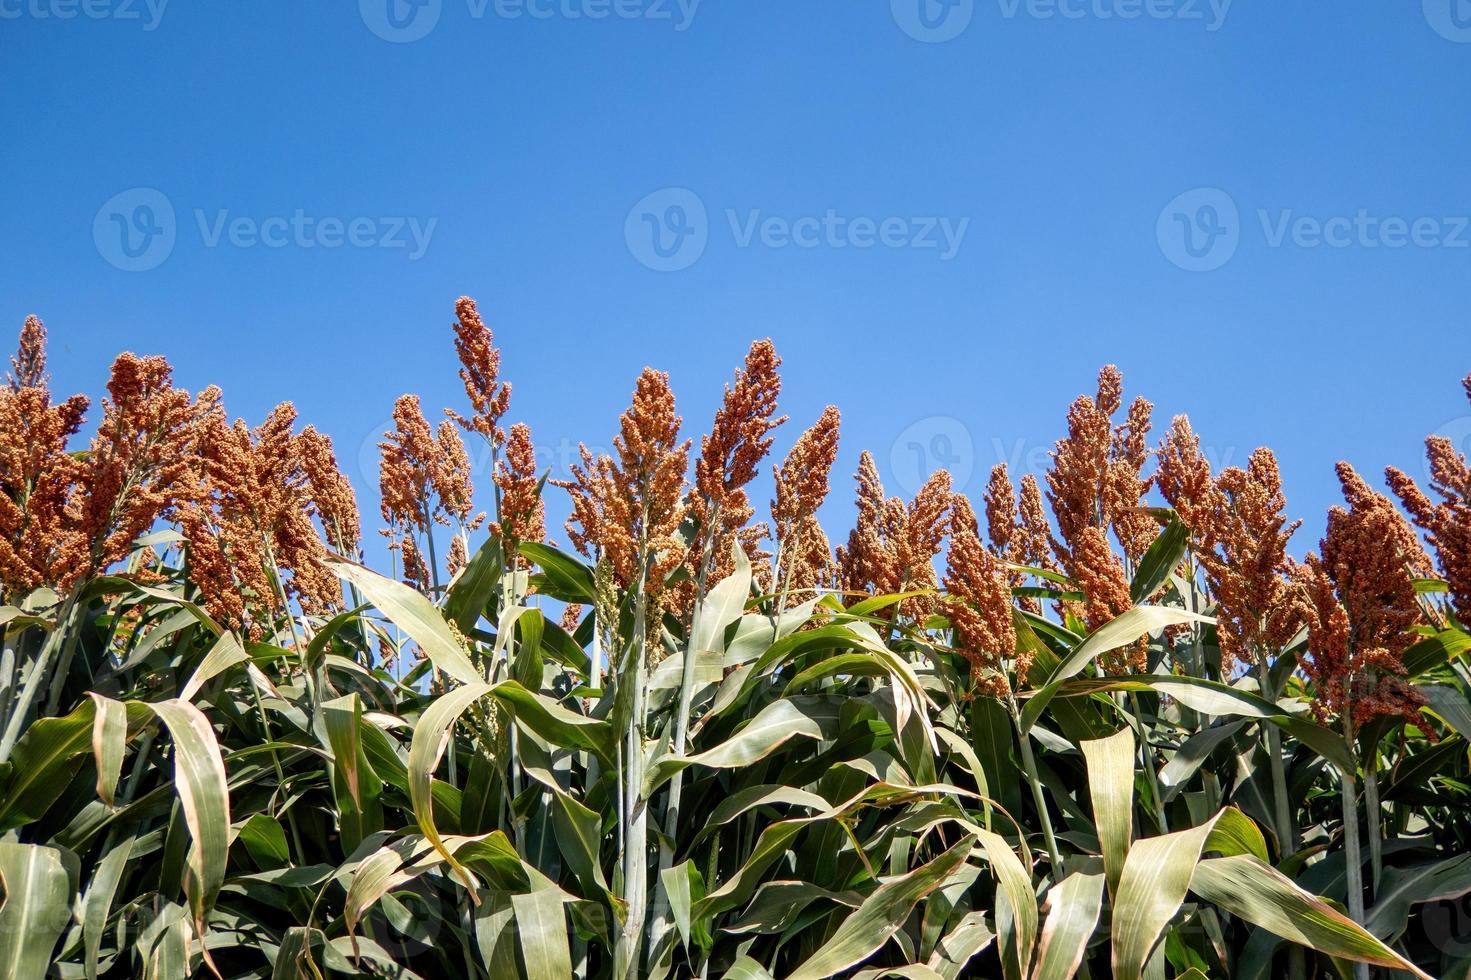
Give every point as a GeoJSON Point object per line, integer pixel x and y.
{"type": "Point", "coordinates": [523, 139]}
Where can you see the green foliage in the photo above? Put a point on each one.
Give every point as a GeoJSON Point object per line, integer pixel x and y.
{"type": "Point", "coordinates": [848, 805]}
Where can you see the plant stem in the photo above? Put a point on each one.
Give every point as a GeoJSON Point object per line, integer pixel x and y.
{"type": "Point", "coordinates": [1371, 811]}
{"type": "Point", "coordinates": [1029, 765]}
{"type": "Point", "coordinates": [636, 830]}
{"type": "Point", "coordinates": [35, 677]}
{"type": "Point", "coordinates": [1146, 762]}
{"type": "Point", "coordinates": [1353, 868]}
{"type": "Point", "coordinates": [1282, 806]}
{"type": "Point", "coordinates": [681, 733]}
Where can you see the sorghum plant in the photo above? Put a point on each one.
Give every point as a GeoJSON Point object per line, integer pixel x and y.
{"type": "Point", "coordinates": [700, 743]}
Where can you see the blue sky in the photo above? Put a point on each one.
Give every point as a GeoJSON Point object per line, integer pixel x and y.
{"type": "Point", "coordinates": [946, 216]}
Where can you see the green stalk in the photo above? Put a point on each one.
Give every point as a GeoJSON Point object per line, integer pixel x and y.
{"type": "Point", "coordinates": [636, 830]}
{"type": "Point", "coordinates": [1146, 762]}
{"type": "Point", "coordinates": [1354, 869]}
{"type": "Point", "coordinates": [63, 634]}
{"type": "Point", "coordinates": [1371, 809]}
{"type": "Point", "coordinates": [276, 763]}
{"type": "Point", "coordinates": [1282, 806]}
{"type": "Point", "coordinates": [1029, 766]}
{"type": "Point", "coordinates": [662, 924]}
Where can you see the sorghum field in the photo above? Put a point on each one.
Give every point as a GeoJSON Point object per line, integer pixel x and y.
{"type": "Point", "coordinates": [1102, 725]}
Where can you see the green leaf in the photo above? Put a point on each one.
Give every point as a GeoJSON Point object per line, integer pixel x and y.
{"type": "Point", "coordinates": [1072, 914]}
{"type": "Point", "coordinates": [37, 900]}
{"type": "Point", "coordinates": [265, 841]}
{"type": "Point", "coordinates": [1253, 890]}
{"type": "Point", "coordinates": [1160, 560]}
{"type": "Point", "coordinates": [1018, 936]}
{"type": "Point", "coordinates": [50, 752]}
{"type": "Point", "coordinates": [204, 796]}
{"type": "Point", "coordinates": [960, 945]}
{"type": "Point", "coordinates": [466, 598]}
{"type": "Point", "coordinates": [683, 884]}
{"type": "Point", "coordinates": [1435, 651]}
{"type": "Point", "coordinates": [416, 616]}
{"type": "Point", "coordinates": [1213, 698]}
{"type": "Point", "coordinates": [1121, 631]}
{"type": "Point", "coordinates": [425, 750]}
{"type": "Point", "coordinates": [109, 741]}
{"type": "Point", "coordinates": [1111, 785]}
{"type": "Point", "coordinates": [1402, 888]}
{"type": "Point", "coordinates": [773, 727]}
{"type": "Point", "coordinates": [1450, 704]}
{"type": "Point", "coordinates": [541, 926]}
{"type": "Point", "coordinates": [1151, 889]}
{"type": "Point", "coordinates": [567, 578]}
{"type": "Point", "coordinates": [97, 902]}
{"type": "Point", "coordinates": [866, 930]}
{"type": "Point", "coordinates": [224, 654]}
{"type": "Point", "coordinates": [724, 604]}
{"type": "Point", "coordinates": [355, 786]}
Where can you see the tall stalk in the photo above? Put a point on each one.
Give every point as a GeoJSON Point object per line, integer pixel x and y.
{"type": "Point", "coordinates": [1029, 766]}
{"type": "Point", "coordinates": [636, 829]}
{"type": "Point", "coordinates": [662, 924]}
{"type": "Point", "coordinates": [1286, 826]}
{"type": "Point", "coordinates": [65, 635]}
{"type": "Point", "coordinates": [1354, 867]}
{"type": "Point", "coordinates": [1371, 810]}
{"type": "Point", "coordinates": [1146, 762]}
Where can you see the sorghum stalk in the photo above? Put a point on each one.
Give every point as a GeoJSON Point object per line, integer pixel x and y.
{"type": "Point", "coordinates": [1371, 808]}
{"type": "Point", "coordinates": [636, 830]}
{"type": "Point", "coordinates": [1146, 762]}
{"type": "Point", "coordinates": [681, 732]}
{"type": "Point", "coordinates": [1029, 766]}
{"type": "Point", "coordinates": [1353, 868]}
{"type": "Point", "coordinates": [35, 676]}
{"type": "Point", "coordinates": [1286, 826]}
